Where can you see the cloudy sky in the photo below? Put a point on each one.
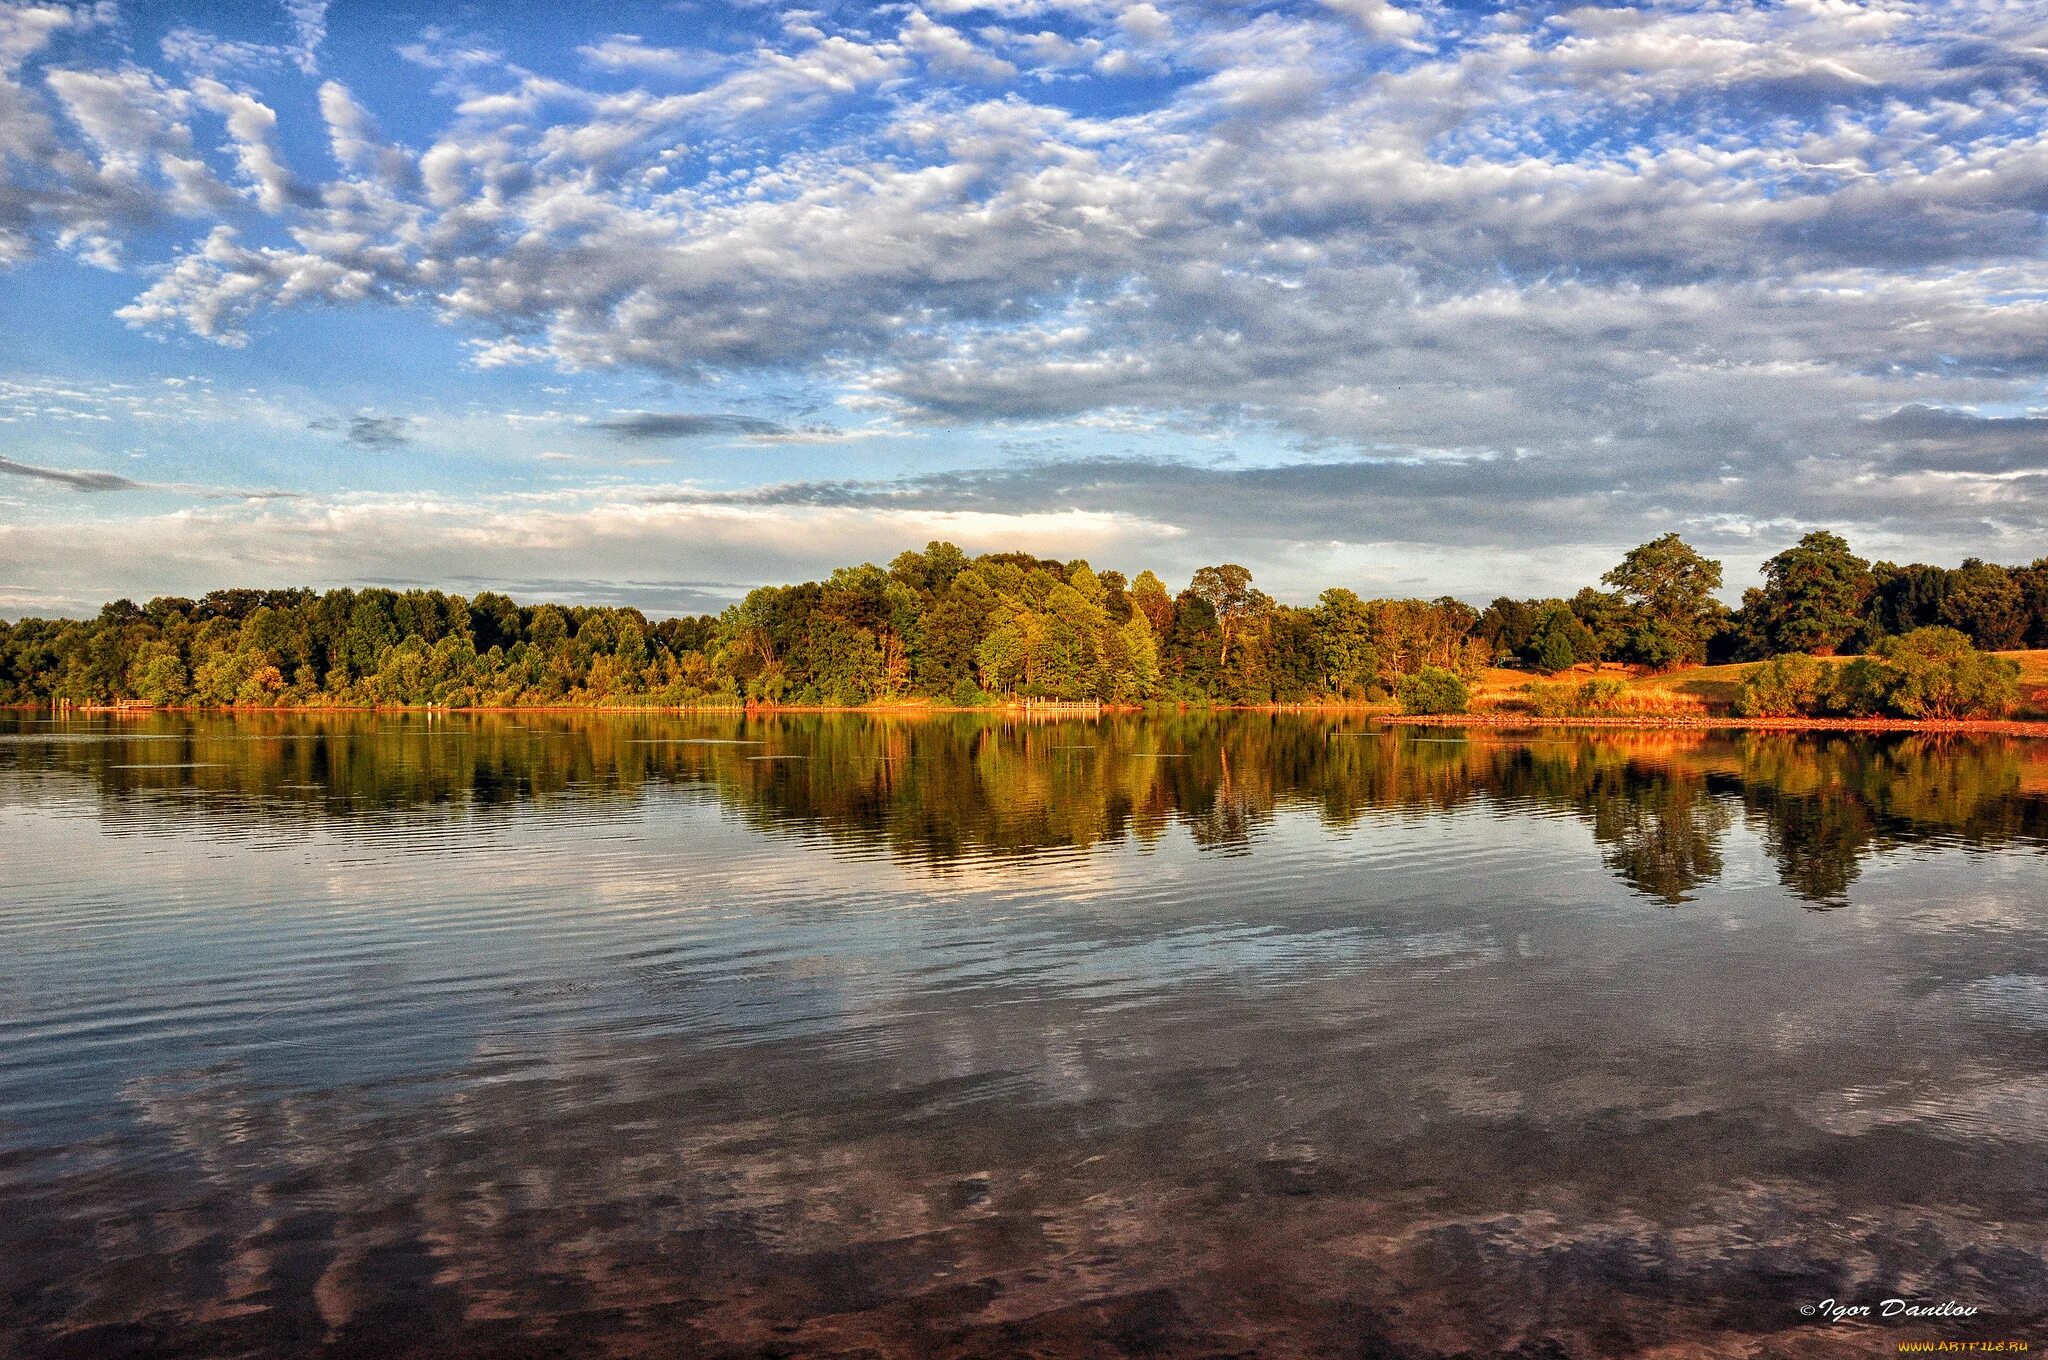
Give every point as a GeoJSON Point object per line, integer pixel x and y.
{"type": "Point", "coordinates": [650, 303]}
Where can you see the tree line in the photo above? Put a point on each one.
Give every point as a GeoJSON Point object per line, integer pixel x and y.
{"type": "Point", "coordinates": [938, 624]}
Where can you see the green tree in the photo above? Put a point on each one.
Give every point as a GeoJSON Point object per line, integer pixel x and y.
{"type": "Point", "coordinates": [1149, 597]}
{"type": "Point", "coordinates": [1190, 650]}
{"type": "Point", "coordinates": [931, 571]}
{"type": "Point", "coordinates": [1608, 618]}
{"type": "Point", "coordinates": [1814, 598]}
{"type": "Point", "coordinates": [1506, 626]}
{"type": "Point", "coordinates": [954, 624]}
{"type": "Point", "coordinates": [1986, 602]}
{"type": "Point", "coordinates": [1343, 627]}
{"type": "Point", "coordinates": [1905, 598]}
{"type": "Point", "coordinates": [1929, 673]}
{"type": "Point", "coordinates": [1671, 588]}
{"type": "Point", "coordinates": [2033, 583]}
{"type": "Point", "coordinates": [1559, 640]}
{"type": "Point", "coordinates": [1231, 597]}
{"type": "Point", "coordinates": [1133, 660]}
{"type": "Point", "coordinates": [158, 676]}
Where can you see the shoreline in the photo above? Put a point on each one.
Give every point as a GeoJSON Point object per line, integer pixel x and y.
{"type": "Point", "coordinates": [2011, 727]}
{"type": "Point", "coordinates": [2019, 727]}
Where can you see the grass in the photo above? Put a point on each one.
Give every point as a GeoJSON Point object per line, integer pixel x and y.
{"type": "Point", "coordinates": [1716, 688]}
{"type": "Point", "coordinates": [2033, 683]}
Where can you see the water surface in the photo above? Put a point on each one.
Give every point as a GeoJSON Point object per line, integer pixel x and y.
{"type": "Point", "coordinates": [1216, 1035]}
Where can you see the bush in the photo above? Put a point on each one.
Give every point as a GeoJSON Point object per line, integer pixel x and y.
{"type": "Point", "coordinates": [1790, 686]}
{"type": "Point", "coordinates": [1936, 673]}
{"type": "Point", "coordinates": [1607, 697]}
{"type": "Point", "coordinates": [1649, 703]}
{"type": "Point", "coordinates": [1859, 689]}
{"type": "Point", "coordinates": [1555, 700]}
{"type": "Point", "coordinates": [1434, 690]}
{"type": "Point", "coordinates": [1929, 673]}
{"type": "Point", "coordinates": [1600, 696]}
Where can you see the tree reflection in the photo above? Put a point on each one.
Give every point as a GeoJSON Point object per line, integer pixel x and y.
{"type": "Point", "coordinates": [1660, 833]}
{"type": "Point", "coordinates": [939, 791]}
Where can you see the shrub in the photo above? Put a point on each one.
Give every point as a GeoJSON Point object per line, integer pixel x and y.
{"type": "Point", "coordinates": [1434, 690]}
{"type": "Point", "coordinates": [1558, 699]}
{"type": "Point", "coordinates": [1859, 689]}
{"type": "Point", "coordinates": [1649, 703]}
{"type": "Point", "coordinates": [1936, 673]}
{"type": "Point", "coordinates": [1607, 697]}
{"type": "Point", "coordinates": [1601, 695]}
{"type": "Point", "coordinates": [1790, 686]}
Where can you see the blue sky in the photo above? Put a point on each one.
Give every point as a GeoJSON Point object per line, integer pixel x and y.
{"type": "Point", "coordinates": [651, 303]}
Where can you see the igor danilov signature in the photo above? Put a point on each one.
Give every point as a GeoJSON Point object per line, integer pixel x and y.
{"type": "Point", "coordinates": [1834, 1310]}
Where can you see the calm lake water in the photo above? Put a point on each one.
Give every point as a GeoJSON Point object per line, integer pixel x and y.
{"type": "Point", "coordinates": [1219, 1035]}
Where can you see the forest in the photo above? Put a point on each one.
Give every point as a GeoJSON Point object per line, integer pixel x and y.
{"type": "Point", "coordinates": [939, 625]}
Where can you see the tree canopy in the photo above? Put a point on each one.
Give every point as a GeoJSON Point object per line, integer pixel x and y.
{"type": "Point", "coordinates": [1671, 588]}
{"type": "Point", "coordinates": [1813, 599]}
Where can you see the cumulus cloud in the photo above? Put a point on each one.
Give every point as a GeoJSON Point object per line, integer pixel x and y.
{"type": "Point", "coordinates": [1483, 278]}
{"type": "Point", "coordinates": [951, 52]}
{"type": "Point", "coordinates": [1381, 18]}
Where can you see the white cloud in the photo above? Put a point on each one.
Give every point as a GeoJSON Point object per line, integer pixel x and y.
{"type": "Point", "coordinates": [359, 144]}
{"type": "Point", "coordinates": [309, 29]}
{"type": "Point", "coordinates": [593, 536]}
{"type": "Point", "coordinates": [250, 124]}
{"type": "Point", "coordinates": [26, 29]}
{"type": "Point", "coordinates": [1381, 18]}
{"type": "Point", "coordinates": [1676, 256]}
{"type": "Point", "coordinates": [950, 52]}
{"type": "Point", "coordinates": [629, 53]}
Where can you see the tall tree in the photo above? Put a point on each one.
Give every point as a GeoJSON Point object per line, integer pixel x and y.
{"type": "Point", "coordinates": [1559, 640]}
{"type": "Point", "coordinates": [1343, 626]}
{"type": "Point", "coordinates": [1907, 597]}
{"type": "Point", "coordinates": [1671, 587]}
{"type": "Point", "coordinates": [1149, 597]}
{"type": "Point", "coordinates": [1813, 599]}
{"type": "Point", "coordinates": [1231, 597]}
{"type": "Point", "coordinates": [1607, 617]}
{"type": "Point", "coordinates": [2033, 583]}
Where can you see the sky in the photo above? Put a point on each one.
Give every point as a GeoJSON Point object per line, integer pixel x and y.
{"type": "Point", "coordinates": [651, 303]}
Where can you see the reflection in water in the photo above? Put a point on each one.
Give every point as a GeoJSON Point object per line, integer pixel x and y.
{"type": "Point", "coordinates": [1204, 1034]}
{"type": "Point", "coordinates": [942, 790]}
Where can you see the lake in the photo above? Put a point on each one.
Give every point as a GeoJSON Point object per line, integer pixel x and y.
{"type": "Point", "coordinates": [1209, 1035]}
